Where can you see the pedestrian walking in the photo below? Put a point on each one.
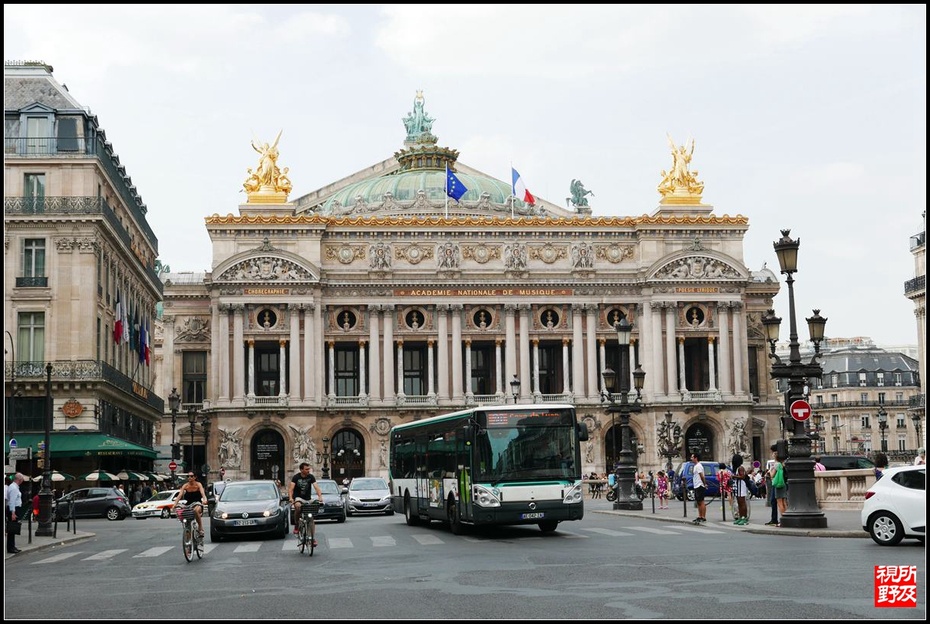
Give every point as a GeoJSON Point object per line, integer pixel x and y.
{"type": "Point", "coordinates": [13, 501]}
{"type": "Point", "coordinates": [699, 483]}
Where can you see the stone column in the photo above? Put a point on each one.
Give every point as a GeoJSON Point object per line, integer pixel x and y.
{"type": "Point", "coordinates": [442, 351]}
{"type": "Point", "coordinates": [577, 352]}
{"type": "Point", "coordinates": [535, 376]}
{"type": "Point", "coordinates": [293, 391]}
{"type": "Point", "coordinates": [469, 394]}
{"type": "Point", "coordinates": [683, 382]}
{"type": "Point", "coordinates": [593, 385]}
{"type": "Point", "coordinates": [214, 385]}
{"type": "Point", "coordinates": [723, 317]}
{"type": "Point", "coordinates": [671, 366]}
{"type": "Point", "coordinates": [657, 365]}
{"type": "Point", "coordinates": [711, 366]}
{"type": "Point", "coordinates": [238, 353]}
{"type": "Point", "coordinates": [282, 367]}
{"type": "Point", "coordinates": [457, 394]}
{"type": "Point", "coordinates": [388, 377]}
{"type": "Point", "coordinates": [361, 369]}
{"type": "Point", "coordinates": [510, 339]}
{"type": "Point", "coordinates": [525, 322]}
{"type": "Point", "coordinates": [400, 369]}
{"type": "Point", "coordinates": [310, 357]}
{"type": "Point", "coordinates": [740, 363]}
{"type": "Point", "coordinates": [431, 369]}
{"type": "Point", "coordinates": [331, 354]}
{"type": "Point", "coordinates": [566, 390]}
{"type": "Point", "coordinates": [498, 358]}
{"type": "Point", "coordinates": [251, 368]}
{"type": "Point", "coordinates": [374, 358]}
{"type": "Point", "coordinates": [221, 330]}
{"type": "Point", "coordinates": [168, 349]}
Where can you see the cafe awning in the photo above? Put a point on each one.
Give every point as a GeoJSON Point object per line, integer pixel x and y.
{"type": "Point", "coordinates": [79, 444]}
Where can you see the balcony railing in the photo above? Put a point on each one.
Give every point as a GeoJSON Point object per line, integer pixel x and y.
{"type": "Point", "coordinates": [84, 370]}
{"type": "Point", "coordinates": [58, 205]}
{"type": "Point", "coordinates": [32, 282]}
{"type": "Point", "coordinates": [915, 285]}
{"type": "Point", "coordinates": [43, 147]}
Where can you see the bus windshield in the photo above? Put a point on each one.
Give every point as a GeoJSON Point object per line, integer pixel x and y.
{"type": "Point", "coordinates": [530, 452]}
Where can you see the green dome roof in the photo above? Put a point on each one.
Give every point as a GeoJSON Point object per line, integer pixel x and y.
{"type": "Point", "coordinates": [404, 186]}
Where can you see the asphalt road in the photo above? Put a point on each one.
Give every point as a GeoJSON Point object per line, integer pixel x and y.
{"type": "Point", "coordinates": [605, 566]}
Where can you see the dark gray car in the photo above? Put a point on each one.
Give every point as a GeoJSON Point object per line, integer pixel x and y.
{"type": "Point", "coordinates": [92, 502]}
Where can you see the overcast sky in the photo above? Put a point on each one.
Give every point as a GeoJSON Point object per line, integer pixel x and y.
{"type": "Point", "coordinates": [809, 118]}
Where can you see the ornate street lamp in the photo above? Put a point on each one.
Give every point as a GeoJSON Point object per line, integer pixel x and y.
{"type": "Point", "coordinates": [45, 494]}
{"type": "Point", "coordinates": [205, 425]}
{"type": "Point", "coordinates": [883, 426]}
{"type": "Point", "coordinates": [174, 402]}
{"type": "Point", "coordinates": [668, 434]}
{"type": "Point", "coordinates": [9, 417]}
{"type": "Point", "coordinates": [326, 458]}
{"type": "Point", "coordinates": [626, 469]}
{"type": "Point", "coordinates": [515, 389]}
{"type": "Point", "coordinates": [192, 419]}
{"type": "Point", "coordinates": [803, 511]}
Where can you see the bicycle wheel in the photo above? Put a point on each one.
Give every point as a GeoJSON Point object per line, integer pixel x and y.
{"type": "Point", "coordinates": [198, 546]}
{"type": "Point", "coordinates": [310, 540]}
{"type": "Point", "coordinates": [187, 541]}
{"type": "Point", "coordinates": [302, 535]}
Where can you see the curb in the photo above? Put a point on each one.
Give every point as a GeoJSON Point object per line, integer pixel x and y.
{"type": "Point", "coordinates": [749, 528]}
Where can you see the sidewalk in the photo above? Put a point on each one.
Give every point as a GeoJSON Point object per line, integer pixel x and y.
{"type": "Point", "coordinates": [840, 523]}
{"type": "Point", "coordinates": [47, 542]}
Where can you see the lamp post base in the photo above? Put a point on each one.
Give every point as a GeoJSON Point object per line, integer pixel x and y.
{"type": "Point", "coordinates": [45, 514]}
{"type": "Point", "coordinates": [803, 520]}
{"type": "Point", "coordinates": [630, 505]}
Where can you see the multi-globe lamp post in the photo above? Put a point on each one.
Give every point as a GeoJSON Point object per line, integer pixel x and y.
{"type": "Point", "coordinates": [883, 426]}
{"type": "Point", "coordinates": [626, 468]}
{"type": "Point", "coordinates": [669, 436]}
{"type": "Point", "coordinates": [174, 402]}
{"type": "Point", "coordinates": [803, 510]}
{"type": "Point", "coordinates": [515, 388]}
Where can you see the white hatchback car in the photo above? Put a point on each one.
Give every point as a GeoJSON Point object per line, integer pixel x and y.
{"type": "Point", "coordinates": [895, 506]}
{"type": "Point", "coordinates": [159, 506]}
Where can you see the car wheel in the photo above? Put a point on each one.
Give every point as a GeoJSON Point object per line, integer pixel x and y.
{"type": "Point", "coordinates": [548, 526]}
{"type": "Point", "coordinates": [389, 512]}
{"type": "Point", "coordinates": [214, 536]}
{"type": "Point", "coordinates": [166, 513]}
{"type": "Point", "coordinates": [341, 518]}
{"type": "Point", "coordinates": [885, 529]}
{"type": "Point", "coordinates": [112, 513]}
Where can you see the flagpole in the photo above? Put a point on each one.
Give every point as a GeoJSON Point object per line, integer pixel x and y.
{"type": "Point", "coordinates": [513, 195]}
{"type": "Point", "coordinates": [447, 190]}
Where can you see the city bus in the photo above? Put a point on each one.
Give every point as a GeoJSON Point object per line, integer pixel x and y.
{"type": "Point", "coordinates": [490, 465]}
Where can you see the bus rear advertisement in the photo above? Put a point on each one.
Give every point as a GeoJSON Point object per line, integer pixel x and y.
{"type": "Point", "coordinates": [490, 465]}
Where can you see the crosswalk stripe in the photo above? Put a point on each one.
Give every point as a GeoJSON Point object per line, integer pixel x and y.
{"type": "Point", "coordinates": [339, 542]}
{"type": "Point", "coordinates": [249, 547]}
{"type": "Point", "coordinates": [427, 540]}
{"type": "Point", "coordinates": [698, 529]}
{"type": "Point", "coordinates": [654, 531]}
{"type": "Point", "coordinates": [154, 552]}
{"type": "Point", "coordinates": [610, 532]}
{"type": "Point", "coordinates": [106, 554]}
{"type": "Point", "coordinates": [379, 541]}
{"type": "Point", "coordinates": [57, 558]}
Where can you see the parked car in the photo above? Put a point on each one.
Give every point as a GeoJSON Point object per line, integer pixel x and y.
{"type": "Point", "coordinates": [334, 507]}
{"type": "Point", "coordinates": [249, 508]}
{"type": "Point", "coordinates": [368, 495]}
{"type": "Point", "coordinates": [92, 502]}
{"type": "Point", "coordinates": [685, 470]}
{"type": "Point", "coordinates": [895, 507]}
{"type": "Point", "coordinates": [846, 462]}
{"type": "Point", "coordinates": [159, 506]}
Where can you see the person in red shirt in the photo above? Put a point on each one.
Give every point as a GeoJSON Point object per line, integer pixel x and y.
{"type": "Point", "coordinates": [35, 507]}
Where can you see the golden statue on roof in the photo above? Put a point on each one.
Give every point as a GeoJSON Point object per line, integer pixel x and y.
{"type": "Point", "coordinates": [266, 184]}
{"type": "Point", "coordinates": [679, 185]}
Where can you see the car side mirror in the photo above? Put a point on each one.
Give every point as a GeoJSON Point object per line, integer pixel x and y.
{"type": "Point", "coordinates": [345, 490]}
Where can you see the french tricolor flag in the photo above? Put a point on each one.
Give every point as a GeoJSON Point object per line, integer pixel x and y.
{"type": "Point", "coordinates": [519, 189]}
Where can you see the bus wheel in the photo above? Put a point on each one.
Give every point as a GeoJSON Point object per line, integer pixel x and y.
{"type": "Point", "coordinates": [548, 526]}
{"type": "Point", "coordinates": [455, 522]}
{"type": "Point", "coordinates": [412, 518]}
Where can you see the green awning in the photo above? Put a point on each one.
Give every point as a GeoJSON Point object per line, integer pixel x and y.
{"type": "Point", "coordinates": [78, 444]}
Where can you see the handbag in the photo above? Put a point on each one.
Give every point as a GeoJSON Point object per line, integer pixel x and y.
{"type": "Point", "coordinates": [778, 480]}
{"type": "Point", "coordinates": [14, 527]}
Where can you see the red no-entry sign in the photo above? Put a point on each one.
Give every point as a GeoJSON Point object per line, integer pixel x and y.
{"type": "Point", "coordinates": [800, 410]}
{"type": "Point", "coordinates": [173, 466]}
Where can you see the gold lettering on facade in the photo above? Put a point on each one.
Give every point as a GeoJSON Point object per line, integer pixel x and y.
{"type": "Point", "coordinates": [266, 291]}
{"type": "Point", "coordinates": [482, 292]}
{"type": "Point", "coordinates": [697, 289]}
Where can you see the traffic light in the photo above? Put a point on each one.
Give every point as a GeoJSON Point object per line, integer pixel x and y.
{"type": "Point", "coordinates": [40, 463]}
{"type": "Point", "coordinates": [176, 450]}
{"type": "Point", "coordinates": [40, 457]}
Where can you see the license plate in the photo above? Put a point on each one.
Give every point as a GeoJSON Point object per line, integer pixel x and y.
{"type": "Point", "coordinates": [533, 516]}
{"type": "Point", "coordinates": [244, 523]}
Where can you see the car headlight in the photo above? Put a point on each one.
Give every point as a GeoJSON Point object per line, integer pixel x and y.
{"type": "Point", "coordinates": [271, 511]}
{"type": "Point", "coordinates": [485, 497]}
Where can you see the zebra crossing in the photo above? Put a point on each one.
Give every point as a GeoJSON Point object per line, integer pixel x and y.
{"type": "Point", "coordinates": [414, 539]}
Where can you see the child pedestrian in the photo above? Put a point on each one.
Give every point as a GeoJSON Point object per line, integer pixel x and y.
{"type": "Point", "coordinates": [662, 489]}
{"type": "Point", "coordinates": [740, 490]}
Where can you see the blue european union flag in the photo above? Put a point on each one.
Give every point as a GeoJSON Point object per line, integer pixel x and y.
{"type": "Point", "coordinates": [454, 187]}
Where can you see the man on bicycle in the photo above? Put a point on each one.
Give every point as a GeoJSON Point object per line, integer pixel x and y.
{"type": "Point", "coordinates": [300, 491]}
{"type": "Point", "coordinates": [193, 493]}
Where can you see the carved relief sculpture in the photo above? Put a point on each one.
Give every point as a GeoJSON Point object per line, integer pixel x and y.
{"type": "Point", "coordinates": [230, 452]}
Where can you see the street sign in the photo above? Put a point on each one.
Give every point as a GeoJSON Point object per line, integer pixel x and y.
{"type": "Point", "coordinates": [12, 443]}
{"type": "Point", "coordinates": [800, 410]}
{"type": "Point", "coordinates": [20, 453]}
{"type": "Point", "coordinates": [173, 466]}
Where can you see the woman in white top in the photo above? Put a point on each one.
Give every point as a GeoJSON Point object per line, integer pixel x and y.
{"type": "Point", "coordinates": [921, 458]}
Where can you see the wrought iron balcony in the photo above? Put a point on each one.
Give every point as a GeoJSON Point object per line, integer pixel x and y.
{"type": "Point", "coordinates": [32, 282]}
{"type": "Point", "coordinates": [915, 285]}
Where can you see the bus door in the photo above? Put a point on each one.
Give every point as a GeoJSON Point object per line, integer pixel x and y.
{"type": "Point", "coordinates": [463, 474]}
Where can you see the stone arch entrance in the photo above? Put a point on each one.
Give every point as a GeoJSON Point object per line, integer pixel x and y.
{"type": "Point", "coordinates": [267, 457]}
{"type": "Point", "coordinates": [613, 444]}
{"type": "Point", "coordinates": [699, 438]}
{"type": "Point", "coordinates": [348, 455]}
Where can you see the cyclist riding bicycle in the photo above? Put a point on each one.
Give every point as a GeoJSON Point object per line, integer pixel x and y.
{"type": "Point", "coordinates": [193, 493]}
{"type": "Point", "coordinates": [300, 491]}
